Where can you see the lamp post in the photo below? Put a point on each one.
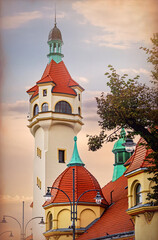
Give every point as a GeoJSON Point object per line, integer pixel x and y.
{"type": "Point", "coordinates": [98, 199]}
{"type": "Point", "coordinates": [11, 235]}
{"type": "Point", "coordinates": [129, 145]}
{"type": "Point", "coordinates": [23, 233]}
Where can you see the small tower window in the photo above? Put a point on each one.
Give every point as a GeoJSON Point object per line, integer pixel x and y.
{"type": "Point", "coordinates": [79, 111]}
{"type": "Point", "coordinates": [44, 92]}
{"type": "Point", "coordinates": [39, 152]}
{"type": "Point", "coordinates": [61, 156]}
{"type": "Point", "coordinates": [79, 97]}
{"type": "Point", "coordinates": [44, 107]}
{"type": "Point", "coordinates": [36, 110]}
{"type": "Point", "coordinates": [63, 107]}
{"type": "Point", "coordinates": [138, 194]}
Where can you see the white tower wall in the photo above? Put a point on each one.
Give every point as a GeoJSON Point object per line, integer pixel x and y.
{"type": "Point", "coordinates": [52, 131]}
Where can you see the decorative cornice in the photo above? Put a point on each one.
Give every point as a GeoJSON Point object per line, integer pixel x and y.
{"type": "Point", "coordinates": [54, 119]}
{"type": "Point", "coordinates": [135, 172]}
{"type": "Point", "coordinates": [142, 209]}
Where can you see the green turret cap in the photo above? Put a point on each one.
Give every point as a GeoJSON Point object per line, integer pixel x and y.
{"type": "Point", "coordinates": [75, 159]}
{"type": "Point", "coordinates": [121, 156]}
{"type": "Point", "coordinates": [118, 145]}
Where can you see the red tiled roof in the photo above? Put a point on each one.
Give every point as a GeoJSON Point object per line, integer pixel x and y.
{"type": "Point", "coordinates": [115, 219]}
{"type": "Point", "coordinates": [84, 181]}
{"type": "Point", "coordinates": [29, 237]}
{"type": "Point", "coordinates": [31, 205]}
{"type": "Point", "coordinates": [138, 159]}
{"type": "Point", "coordinates": [57, 74]}
{"type": "Point", "coordinates": [34, 90]}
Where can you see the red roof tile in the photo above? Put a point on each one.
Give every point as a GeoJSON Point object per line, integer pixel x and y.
{"type": "Point", "coordinates": [115, 219]}
{"type": "Point", "coordinates": [58, 74]}
{"type": "Point", "coordinates": [138, 159]}
{"type": "Point", "coordinates": [34, 90]}
{"type": "Point", "coordinates": [31, 205]}
{"type": "Point", "coordinates": [29, 237]}
{"type": "Point", "coordinates": [84, 181]}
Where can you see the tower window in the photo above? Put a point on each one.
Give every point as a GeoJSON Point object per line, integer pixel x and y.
{"type": "Point", "coordinates": [44, 107]}
{"type": "Point", "coordinates": [39, 152]}
{"type": "Point", "coordinates": [39, 183]}
{"type": "Point", "coordinates": [35, 110]}
{"type": "Point", "coordinates": [79, 111]}
{"type": "Point", "coordinates": [63, 107]}
{"type": "Point", "coordinates": [44, 92]}
{"type": "Point", "coordinates": [61, 156]}
{"type": "Point", "coordinates": [79, 97]}
{"type": "Point", "coordinates": [138, 194]}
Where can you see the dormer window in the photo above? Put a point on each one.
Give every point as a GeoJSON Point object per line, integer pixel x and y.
{"type": "Point", "coordinates": [45, 107]}
{"type": "Point", "coordinates": [44, 92]}
{"type": "Point", "coordinates": [63, 107]}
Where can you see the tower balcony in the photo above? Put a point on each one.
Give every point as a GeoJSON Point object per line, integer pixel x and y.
{"type": "Point", "coordinates": [53, 118]}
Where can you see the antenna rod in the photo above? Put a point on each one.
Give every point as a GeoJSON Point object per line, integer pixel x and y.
{"type": "Point", "coordinates": [55, 15]}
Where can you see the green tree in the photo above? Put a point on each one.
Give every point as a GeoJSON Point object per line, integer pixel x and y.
{"type": "Point", "coordinates": [131, 105]}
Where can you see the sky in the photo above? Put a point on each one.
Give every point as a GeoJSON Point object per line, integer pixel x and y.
{"type": "Point", "coordinates": [96, 33]}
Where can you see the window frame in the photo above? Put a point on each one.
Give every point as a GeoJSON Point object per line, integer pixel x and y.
{"type": "Point", "coordinates": [63, 151]}
{"type": "Point", "coordinates": [44, 92]}
{"type": "Point", "coordinates": [138, 194]}
{"type": "Point", "coordinates": [63, 107]}
{"type": "Point", "coordinates": [43, 106]}
{"type": "Point", "coordinates": [35, 112]}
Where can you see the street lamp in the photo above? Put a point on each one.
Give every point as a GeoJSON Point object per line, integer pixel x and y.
{"type": "Point", "coordinates": [23, 233]}
{"type": "Point", "coordinates": [98, 199]}
{"type": "Point", "coordinates": [11, 235]}
{"type": "Point", "coordinates": [129, 145]}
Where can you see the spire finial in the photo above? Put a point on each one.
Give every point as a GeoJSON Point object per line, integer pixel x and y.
{"type": "Point", "coordinates": [55, 22]}
{"type": "Point", "coordinates": [75, 159]}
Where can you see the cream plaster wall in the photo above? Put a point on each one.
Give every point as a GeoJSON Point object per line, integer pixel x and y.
{"type": "Point", "coordinates": [145, 230]}
{"type": "Point", "coordinates": [52, 131]}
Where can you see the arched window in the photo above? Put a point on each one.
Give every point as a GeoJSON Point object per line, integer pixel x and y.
{"type": "Point", "coordinates": [35, 110]}
{"type": "Point", "coordinates": [63, 107]}
{"type": "Point", "coordinates": [138, 194]}
{"type": "Point", "coordinates": [50, 218]}
{"type": "Point", "coordinates": [44, 107]}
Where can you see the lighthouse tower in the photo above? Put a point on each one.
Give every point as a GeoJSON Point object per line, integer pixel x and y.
{"type": "Point", "coordinates": [55, 118]}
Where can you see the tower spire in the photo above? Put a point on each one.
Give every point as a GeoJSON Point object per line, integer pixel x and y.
{"type": "Point", "coordinates": [75, 159]}
{"type": "Point", "coordinates": [55, 43]}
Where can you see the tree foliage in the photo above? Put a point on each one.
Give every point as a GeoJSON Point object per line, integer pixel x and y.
{"type": "Point", "coordinates": [131, 105]}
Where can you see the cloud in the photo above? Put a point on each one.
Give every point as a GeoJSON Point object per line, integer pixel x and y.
{"type": "Point", "coordinates": [16, 198]}
{"type": "Point", "coordinates": [82, 79]}
{"type": "Point", "coordinates": [120, 22]}
{"type": "Point", "coordinates": [134, 71]}
{"type": "Point", "coordinates": [18, 107]}
{"type": "Point", "coordinates": [16, 21]}
{"type": "Point", "coordinates": [89, 107]}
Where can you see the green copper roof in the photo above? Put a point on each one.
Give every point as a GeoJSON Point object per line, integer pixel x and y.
{"type": "Point", "coordinates": [118, 145]}
{"type": "Point", "coordinates": [118, 172]}
{"type": "Point", "coordinates": [75, 159]}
